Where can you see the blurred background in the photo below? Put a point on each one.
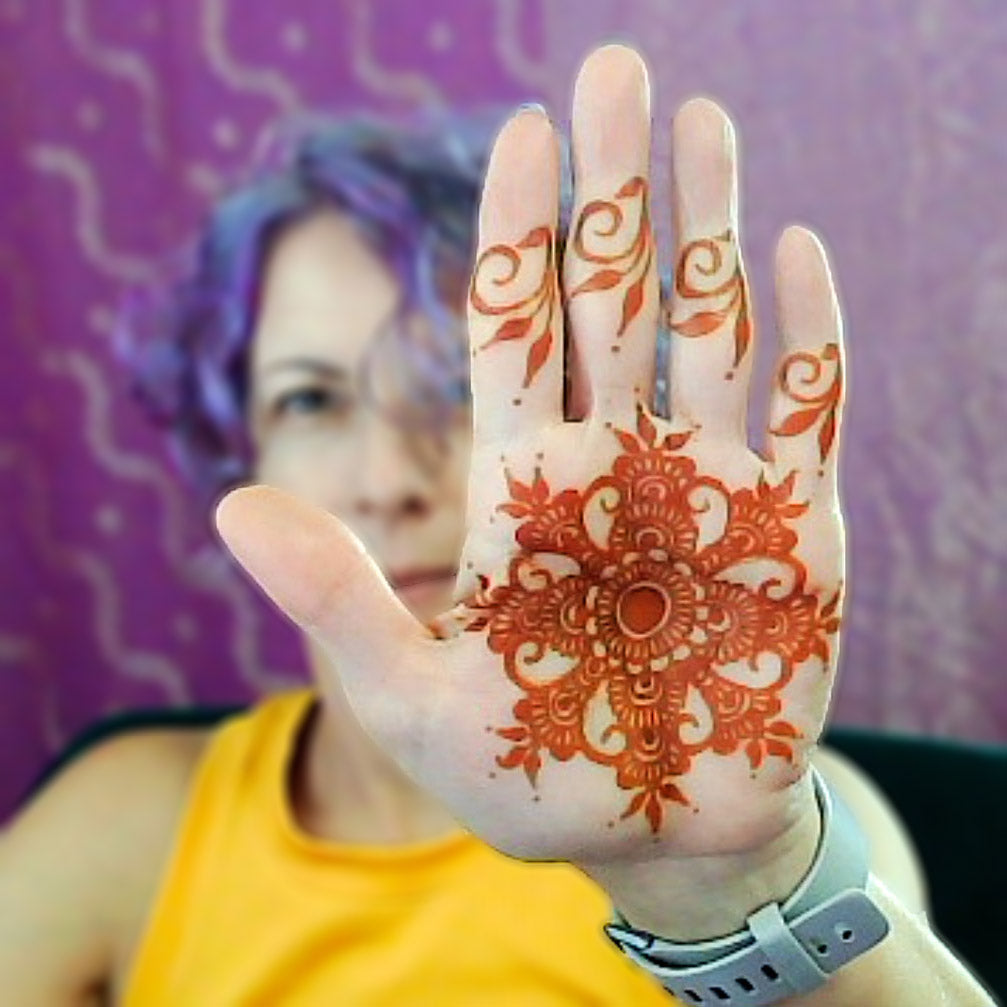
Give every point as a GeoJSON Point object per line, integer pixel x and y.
{"type": "Point", "coordinates": [880, 123]}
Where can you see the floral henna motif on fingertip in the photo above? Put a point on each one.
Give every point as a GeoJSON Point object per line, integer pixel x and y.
{"type": "Point", "coordinates": [812, 406]}
{"type": "Point", "coordinates": [627, 602]}
{"type": "Point", "coordinates": [698, 276]}
{"type": "Point", "coordinates": [631, 262]}
{"type": "Point", "coordinates": [529, 317]}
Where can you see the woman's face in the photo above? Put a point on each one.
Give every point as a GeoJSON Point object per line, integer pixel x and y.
{"type": "Point", "coordinates": [317, 432]}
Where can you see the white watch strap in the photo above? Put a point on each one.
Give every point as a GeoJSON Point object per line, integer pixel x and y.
{"type": "Point", "coordinates": [783, 950]}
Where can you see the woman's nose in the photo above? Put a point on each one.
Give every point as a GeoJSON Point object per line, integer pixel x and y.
{"type": "Point", "coordinates": [388, 485]}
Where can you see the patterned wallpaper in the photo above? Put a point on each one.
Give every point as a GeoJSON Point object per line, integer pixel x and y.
{"type": "Point", "coordinates": [879, 122]}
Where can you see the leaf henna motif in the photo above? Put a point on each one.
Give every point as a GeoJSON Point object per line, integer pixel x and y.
{"type": "Point", "coordinates": [646, 617]}
{"type": "Point", "coordinates": [631, 262]}
{"type": "Point", "coordinates": [529, 317]}
{"type": "Point", "coordinates": [825, 403]}
{"type": "Point", "coordinates": [696, 278]}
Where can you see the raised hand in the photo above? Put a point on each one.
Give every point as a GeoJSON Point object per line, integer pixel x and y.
{"type": "Point", "coordinates": [648, 610]}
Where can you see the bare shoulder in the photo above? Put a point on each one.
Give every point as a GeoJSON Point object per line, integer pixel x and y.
{"type": "Point", "coordinates": [80, 865]}
{"type": "Point", "coordinates": [894, 858]}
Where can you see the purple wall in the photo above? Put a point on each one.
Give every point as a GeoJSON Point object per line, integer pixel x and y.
{"type": "Point", "coordinates": [882, 125]}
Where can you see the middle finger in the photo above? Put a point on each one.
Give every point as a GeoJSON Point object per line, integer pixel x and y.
{"type": "Point", "coordinates": [610, 275]}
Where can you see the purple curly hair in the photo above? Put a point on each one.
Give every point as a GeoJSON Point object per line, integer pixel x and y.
{"type": "Point", "coordinates": [413, 193]}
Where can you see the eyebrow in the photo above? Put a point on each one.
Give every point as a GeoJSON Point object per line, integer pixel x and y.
{"type": "Point", "coordinates": [320, 367]}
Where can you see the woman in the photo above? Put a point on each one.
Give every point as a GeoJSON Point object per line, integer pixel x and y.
{"type": "Point", "coordinates": [310, 851]}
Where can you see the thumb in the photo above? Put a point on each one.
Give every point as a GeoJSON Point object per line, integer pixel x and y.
{"type": "Point", "coordinates": [318, 572]}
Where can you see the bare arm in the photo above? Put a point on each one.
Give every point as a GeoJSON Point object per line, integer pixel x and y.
{"type": "Point", "coordinates": [79, 866]}
{"type": "Point", "coordinates": [649, 610]}
{"type": "Point", "coordinates": [54, 941]}
{"type": "Point", "coordinates": [912, 966]}
{"type": "Point", "coordinates": [894, 859]}
{"type": "Point", "coordinates": [909, 968]}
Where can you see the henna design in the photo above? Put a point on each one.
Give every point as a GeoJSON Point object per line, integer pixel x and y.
{"type": "Point", "coordinates": [530, 316]}
{"type": "Point", "coordinates": [632, 262]}
{"type": "Point", "coordinates": [695, 279]}
{"type": "Point", "coordinates": [625, 605]}
{"type": "Point", "coordinates": [825, 403]}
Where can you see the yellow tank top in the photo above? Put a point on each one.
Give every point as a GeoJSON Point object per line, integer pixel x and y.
{"type": "Point", "coordinates": [253, 912]}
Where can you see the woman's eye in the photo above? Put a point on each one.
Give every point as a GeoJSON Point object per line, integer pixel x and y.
{"type": "Point", "coordinates": [307, 401]}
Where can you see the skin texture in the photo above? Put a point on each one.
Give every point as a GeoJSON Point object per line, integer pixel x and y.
{"type": "Point", "coordinates": [528, 318]}
{"type": "Point", "coordinates": [317, 433]}
{"type": "Point", "coordinates": [627, 266]}
{"type": "Point", "coordinates": [365, 771]}
{"type": "Point", "coordinates": [652, 643]}
{"type": "Point", "coordinates": [702, 273]}
{"type": "Point", "coordinates": [326, 301]}
{"type": "Point", "coordinates": [436, 694]}
{"type": "Point", "coordinates": [702, 748]}
{"type": "Point", "coordinates": [651, 656]}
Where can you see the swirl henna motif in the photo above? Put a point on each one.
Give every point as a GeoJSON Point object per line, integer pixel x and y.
{"type": "Point", "coordinates": [825, 403]}
{"type": "Point", "coordinates": [699, 275]}
{"type": "Point", "coordinates": [529, 316]}
{"type": "Point", "coordinates": [651, 617]}
{"type": "Point", "coordinates": [631, 262]}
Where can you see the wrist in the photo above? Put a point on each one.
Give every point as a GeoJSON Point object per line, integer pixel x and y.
{"type": "Point", "coordinates": [702, 897]}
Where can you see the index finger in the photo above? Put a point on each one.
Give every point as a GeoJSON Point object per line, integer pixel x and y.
{"type": "Point", "coordinates": [515, 321]}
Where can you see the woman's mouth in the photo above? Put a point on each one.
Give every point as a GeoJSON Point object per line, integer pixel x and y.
{"type": "Point", "coordinates": [411, 578]}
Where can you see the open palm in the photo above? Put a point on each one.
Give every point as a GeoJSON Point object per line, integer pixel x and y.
{"type": "Point", "coordinates": [648, 610]}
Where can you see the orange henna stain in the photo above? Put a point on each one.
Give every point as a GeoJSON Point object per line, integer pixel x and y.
{"type": "Point", "coordinates": [643, 609]}
{"type": "Point", "coordinates": [524, 318]}
{"type": "Point", "coordinates": [631, 262]}
{"type": "Point", "coordinates": [816, 405]}
{"type": "Point", "coordinates": [699, 264]}
{"type": "Point", "coordinates": [647, 620]}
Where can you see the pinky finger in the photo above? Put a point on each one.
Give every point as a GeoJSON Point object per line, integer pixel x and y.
{"type": "Point", "coordinates": [805, 412]}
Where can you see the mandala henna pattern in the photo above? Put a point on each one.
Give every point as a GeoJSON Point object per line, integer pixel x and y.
{"type": "Point", "coordinates": [530, 316]}
{"type": "Point", "coordinates": [653, 616]}
{"type": "Point", "coordinates": [606, 219]}
{"type": "Point", "coordinates": [824, 403]}
{"type": "Point", "coordinates": [700, 275]}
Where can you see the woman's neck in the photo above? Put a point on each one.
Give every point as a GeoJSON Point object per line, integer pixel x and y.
{"type": "Point", "coordinates": [343, 788]}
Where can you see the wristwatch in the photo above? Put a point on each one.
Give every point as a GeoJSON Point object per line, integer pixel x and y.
{"type": "Point", "coordinates": [784, 950]}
